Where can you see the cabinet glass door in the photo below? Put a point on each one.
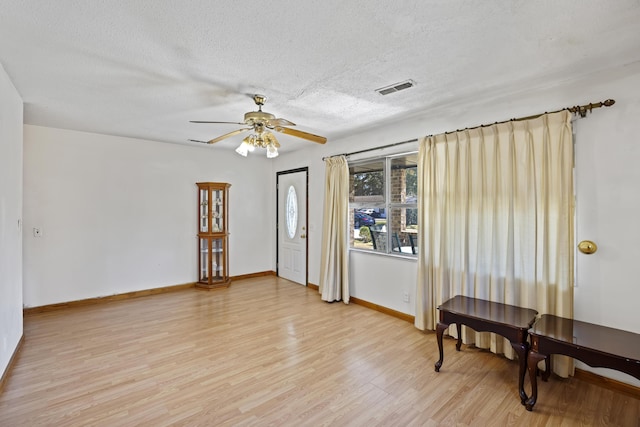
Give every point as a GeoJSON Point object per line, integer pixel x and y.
{"type": "Point", "coordinates": [217, 211]}
{"type": "Point", "coordinates": [204, 211]}
{"type": "Point", "coordinates": [211, 267]}
{"type": "Point", "coordinates": [204, 263]}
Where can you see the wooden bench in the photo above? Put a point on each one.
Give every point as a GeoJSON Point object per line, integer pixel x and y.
{"type": "Point", "coordinates": [595, 345]}
{"type": "Point", "coordinates": [510, 321]}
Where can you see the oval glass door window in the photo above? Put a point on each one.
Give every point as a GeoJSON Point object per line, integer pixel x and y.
{"type": "Point", "coordinates": [292, 212]}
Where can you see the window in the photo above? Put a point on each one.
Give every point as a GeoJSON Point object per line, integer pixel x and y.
{"type": "Point", "coordinates": [292, 212]}
{"type": "Point", "coordinates": [383, 204]}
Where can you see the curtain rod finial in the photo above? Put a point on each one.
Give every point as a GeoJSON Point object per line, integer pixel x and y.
{"type": "Point", "coordinates": [609, 102]}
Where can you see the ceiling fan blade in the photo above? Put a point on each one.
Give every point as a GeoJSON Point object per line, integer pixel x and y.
{"type": "Point", "coordinates": [301, 134]}
{"type": "Point", "coordinates": [197, 140]}
{"type": "Point", "coordinates": [227, 135]}
{"type": "Point", "coordinates": [230, 123]}
{"type": "Point", "coordinates": [281, 122]}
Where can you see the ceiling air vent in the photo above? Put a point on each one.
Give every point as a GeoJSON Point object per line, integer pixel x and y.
{"type": "Point", "coordinates": [396, 87]}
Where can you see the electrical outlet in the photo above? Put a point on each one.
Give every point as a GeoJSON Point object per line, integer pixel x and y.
{"type": "Point", "coordinates": [405, 296]}
{"type": "Point", "coordinates": [37, 232]}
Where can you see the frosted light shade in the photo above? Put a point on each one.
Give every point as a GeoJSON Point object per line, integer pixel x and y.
{"type": "Point", "coordinates": [272, 151]}
{"type": "Point", "coordinates": [243, 149]}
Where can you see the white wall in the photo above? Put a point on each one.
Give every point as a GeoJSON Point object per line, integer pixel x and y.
{"type": "Point", "coordinates": [10, 220]}
{"type": "Point", "coordinates": [607, 156]}
{"type": "Point", "coordinates": [607, 203]}
{"type": "Point", "coordinates": [119, 214]}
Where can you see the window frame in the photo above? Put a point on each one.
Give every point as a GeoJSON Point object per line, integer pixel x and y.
{"type": "Point", "coordinates": [386, 204]}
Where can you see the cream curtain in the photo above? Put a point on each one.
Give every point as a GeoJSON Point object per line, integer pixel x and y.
{"type": "Point", "coordinates": [496, 221]}
{"type": "Point", "coordinates": [334, 263]}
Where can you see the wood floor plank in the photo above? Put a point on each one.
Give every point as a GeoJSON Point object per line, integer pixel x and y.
{"type": "Point", "coordinates": [266, 351]}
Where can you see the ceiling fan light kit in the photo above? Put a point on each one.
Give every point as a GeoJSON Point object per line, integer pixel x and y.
{"type": "Point", "coordinates": [263, 139]}
{"type": "Point", "coordinates": [259, 121]}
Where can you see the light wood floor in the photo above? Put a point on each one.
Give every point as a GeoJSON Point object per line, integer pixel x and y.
{"type": "Point", "coordinates": [270, 352]}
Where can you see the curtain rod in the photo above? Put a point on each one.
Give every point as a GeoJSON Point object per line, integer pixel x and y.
{"type": "Point", "coordinates": [581, 110]}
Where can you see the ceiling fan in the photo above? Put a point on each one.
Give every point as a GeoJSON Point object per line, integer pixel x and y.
{"type": "Point", "coordinates": [261, 122]}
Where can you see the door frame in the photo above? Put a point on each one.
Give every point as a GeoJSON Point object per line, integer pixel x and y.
{"type": "Point", "coordinates": [306, 261]}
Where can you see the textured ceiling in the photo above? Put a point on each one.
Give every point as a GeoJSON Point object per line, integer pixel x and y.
{"type": "Point", "coordinates": [145, 68]}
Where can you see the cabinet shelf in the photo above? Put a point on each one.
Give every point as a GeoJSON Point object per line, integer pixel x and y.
{"type": "Point", "coordinates": [213, 235]}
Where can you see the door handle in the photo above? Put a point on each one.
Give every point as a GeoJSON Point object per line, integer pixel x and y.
{"type": "Point", "coordinates": [587, 247]}
{"type": "Point", "coordinates": [303, 236]}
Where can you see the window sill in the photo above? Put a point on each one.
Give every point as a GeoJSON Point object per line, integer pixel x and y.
{"type": "Point", "coordinates": [392, 255]}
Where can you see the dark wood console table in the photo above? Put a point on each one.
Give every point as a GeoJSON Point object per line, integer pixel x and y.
{"type": "Point", "coordinates": [595, 345]}
{"type": "Point", "coordinates": [510, 321]}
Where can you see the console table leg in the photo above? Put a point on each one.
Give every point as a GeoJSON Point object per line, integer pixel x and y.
{"type": "Point", "coordinates": [459, 329]}
{"type": "Point", "coordinates": [532, 366]}
{"type": "Point", "coordinates": [440, 327]}
{"type": "Point", "coordinates": [521, 350]}
{"type": "Point", "coordinates": [547, 368]}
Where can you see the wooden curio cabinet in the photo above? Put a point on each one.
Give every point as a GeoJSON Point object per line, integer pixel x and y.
{"type": "Point", "coordinates": [213, 235]}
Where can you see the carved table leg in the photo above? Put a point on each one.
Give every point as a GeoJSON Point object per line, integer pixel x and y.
{"type": "Point", "coordinates": [440, 327]}
{"type": "Point", "coordinates": [521, 350]}
{"type": "Point", "coordinates": [459, 343]}
{"type": "Point", "coordinates": [532, 366]}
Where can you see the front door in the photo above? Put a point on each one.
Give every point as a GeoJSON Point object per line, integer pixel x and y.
{"type": "Point", "coordinates": [292, 225]}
